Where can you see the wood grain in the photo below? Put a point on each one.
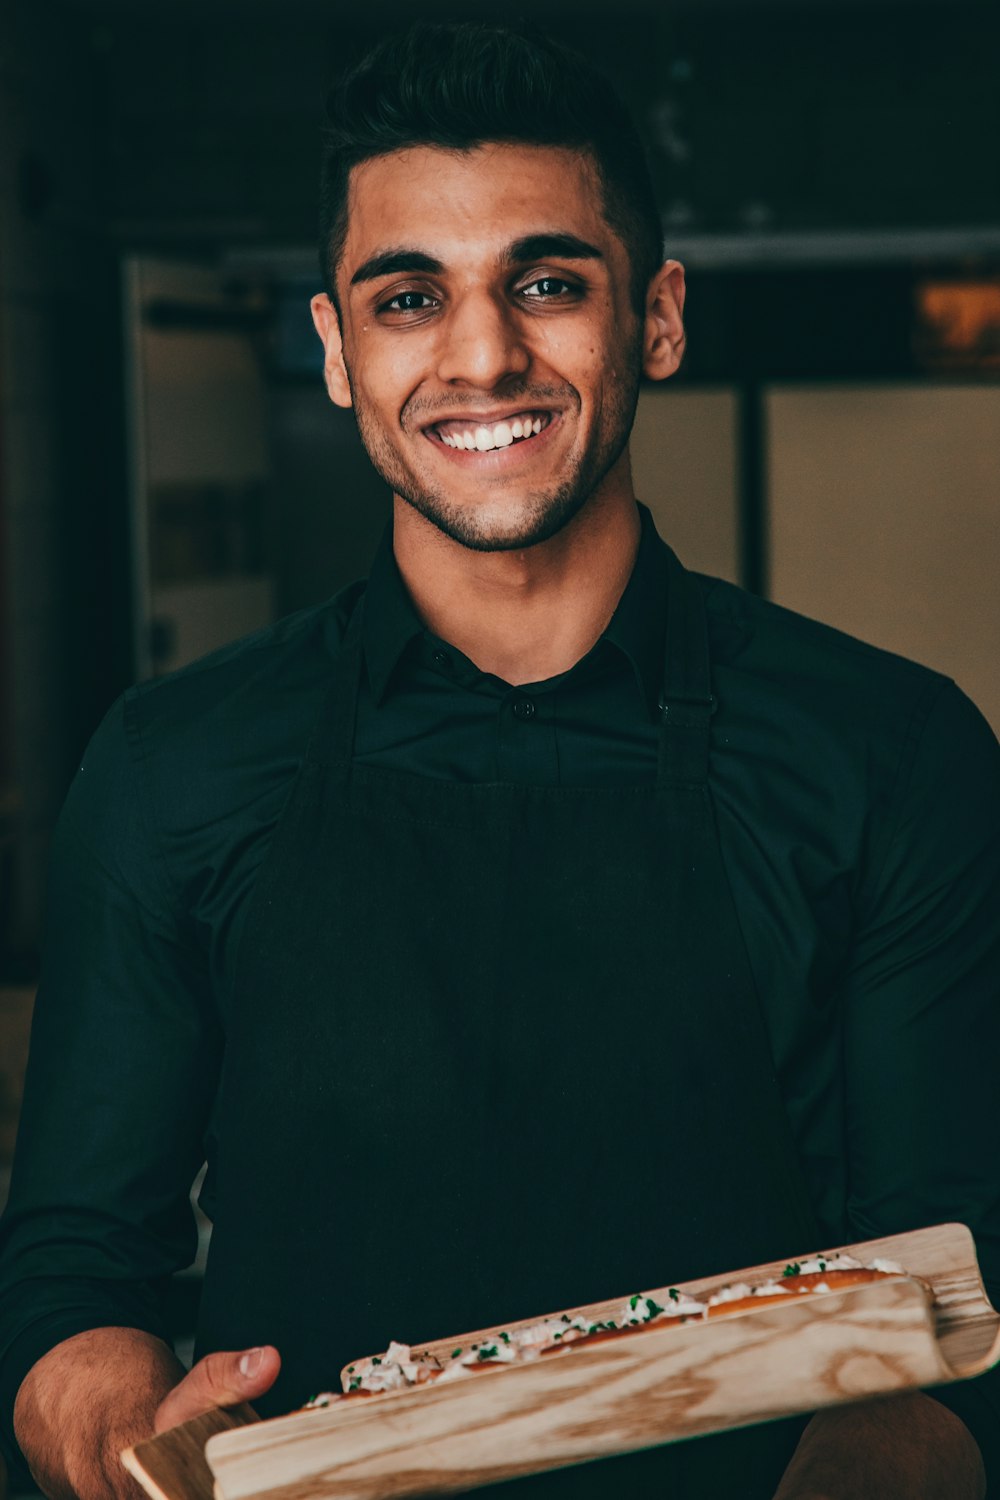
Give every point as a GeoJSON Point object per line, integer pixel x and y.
{"type": "Point", "coordinates": [587, 1402]}
{"type": "Point", "coordinates": [172, 1466]}
{"type": "Point", "coordinates": [658, 1385]}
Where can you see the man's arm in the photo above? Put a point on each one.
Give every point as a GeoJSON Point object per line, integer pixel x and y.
{"type": "Point", "coordinates": [921, 1039]}
{"type": "Point", "coordinates": [121, 1076]}
{"type": "Point", "coordinates": [101, 1391]}
{"type": "Point", "coordinates": [907, 1447]}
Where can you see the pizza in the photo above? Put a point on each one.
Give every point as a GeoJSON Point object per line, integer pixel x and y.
{"type": "Point", "coordinates": [820, 1273]}
{"type": "Point", "coordinates": [398, 1368]}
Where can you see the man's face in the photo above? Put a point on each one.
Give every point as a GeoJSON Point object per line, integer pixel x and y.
{"type": "Point", "coordinates": [491, 351]}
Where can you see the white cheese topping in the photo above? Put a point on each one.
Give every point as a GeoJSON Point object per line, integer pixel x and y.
{"type": "Point", "coordinates": [844, 1262]}
{"type": "Point", "coordinates": [453, 1370]}
{"type": "Point", "coordinates": [540, 1335]}
{"type": "Point", "coordinates": [390, 1371]}
{"type": "Point", "coordinates": [501, 1350]}
{"type": "Point", "coordinates": [680, 1305]}
{"type": "Point", "coordinates": [396, 1368]}
{"type": "Point", "coordinates": [815, 1263]}
{"type": "Point", "coordinates": [641, 1308]}
{"type": "Point", "coordinates": [740, 1289]}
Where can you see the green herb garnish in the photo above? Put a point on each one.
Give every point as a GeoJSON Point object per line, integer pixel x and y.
{"type": "Point", "coordinates": [350, 1369]}
{"type": "Point", "coordinates": [487, 1352]}
{"type": "Point", "coordinates": [794, 1269]}
{"type": "Point", "coordinates": [354, 1383]}
{"type": "Point", "coordinates": [456, 1352]}
{"type": "Point", "coordinates": [376, 1360]}
{"type": "Point", "coordinates": [566, 1318]}
{"type": "Point", "coordinates": [505, 1337]}
{"type": "Point", "coordinates": [674, 1294]}
{"type": "Point", "coordinates": [633, 1301]}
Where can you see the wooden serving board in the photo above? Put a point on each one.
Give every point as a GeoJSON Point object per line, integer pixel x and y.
{"type": "Point", "coordinates": [656, 1385]}
{"type": "Point", "coordinates": [173, 1465]}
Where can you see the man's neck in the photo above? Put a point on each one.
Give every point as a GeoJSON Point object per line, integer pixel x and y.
{"type": "Point", "coordinates": [522, 616]}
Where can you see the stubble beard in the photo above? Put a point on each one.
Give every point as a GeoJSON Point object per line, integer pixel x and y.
{"type": "Point", "coordinates": [517, 519]}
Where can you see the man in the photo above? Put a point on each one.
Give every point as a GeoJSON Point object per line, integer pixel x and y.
{"type": "Point", "coordinates": [536, 921]}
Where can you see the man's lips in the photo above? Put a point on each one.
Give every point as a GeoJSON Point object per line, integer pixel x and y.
{"type": "Point", "coordinates": [477, 438]}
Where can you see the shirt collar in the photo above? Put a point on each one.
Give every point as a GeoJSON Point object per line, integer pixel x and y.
{"type": "Point", "coordinates": [636, 628]}
{"type": "Point", "coordinates": [639, 623]}
{"type": "Point", "coordinates": [390, 621]}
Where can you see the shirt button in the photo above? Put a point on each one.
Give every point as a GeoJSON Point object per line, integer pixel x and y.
{"type": "Point", "coordinates": [441, 659]}
{"type": "Point", "coordinates": [524, 708]}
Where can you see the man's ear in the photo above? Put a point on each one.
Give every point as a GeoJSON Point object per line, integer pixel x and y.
{"type": "Point", "coordinates": [663, 335]}
{"type": "Point", "coordinates": [327, 325]}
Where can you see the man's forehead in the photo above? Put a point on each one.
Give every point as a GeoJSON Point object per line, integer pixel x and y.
{"type": "Point", "coordinates": [482, 156]}
{"type": "Point", "coordinates": [491, 195]}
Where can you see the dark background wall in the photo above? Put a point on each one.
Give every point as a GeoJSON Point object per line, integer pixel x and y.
{"type": "Point", "coordinates": [795, 115]}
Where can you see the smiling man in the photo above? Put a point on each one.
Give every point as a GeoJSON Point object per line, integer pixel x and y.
{"type": "Point", "coordinates": [533, 921]}
{"type": "Point", "coordinates": [484, 327]}
{"type": "Point", "coordinates": [494, 380]}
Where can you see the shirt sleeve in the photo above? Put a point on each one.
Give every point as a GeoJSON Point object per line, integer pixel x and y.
{"type": "Point", "coordinates": [922, 1018]}
{"type": "Point", "coordinates": [122, 1071]}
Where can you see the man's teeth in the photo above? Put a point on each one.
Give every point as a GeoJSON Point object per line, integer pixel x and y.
{"type": "Point", "coordinates": [500, 436]}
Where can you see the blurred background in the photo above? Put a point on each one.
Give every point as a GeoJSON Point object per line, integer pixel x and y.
{"type": "Point", "coordinates": [172, 474]}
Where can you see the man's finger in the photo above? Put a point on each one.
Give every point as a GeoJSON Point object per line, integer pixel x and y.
{"type": "Point", "coordinates": [222, 1379]}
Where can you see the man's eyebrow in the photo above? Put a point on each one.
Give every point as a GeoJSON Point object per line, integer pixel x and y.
{"type": "Point", "coordinates": [400, 260]}
{"type": "Point", "coordinates": [392, 262]}
{"type": "Point", "coordinates": [558, 246]}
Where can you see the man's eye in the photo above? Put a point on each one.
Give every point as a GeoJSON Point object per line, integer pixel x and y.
{"type": "Point", "coordinates": [546, 287]}
{"type": "Point", "coordinates": [407, 302]}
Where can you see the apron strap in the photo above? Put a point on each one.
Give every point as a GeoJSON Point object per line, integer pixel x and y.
{"type": "Point", "coordinates": [686, 702]}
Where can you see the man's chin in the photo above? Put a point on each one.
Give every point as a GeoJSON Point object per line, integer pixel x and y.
{"type": "Point", "coordinates": [499, 528]}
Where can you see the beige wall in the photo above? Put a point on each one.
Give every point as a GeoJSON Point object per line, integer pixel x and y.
{"type": "Point", "coordinates": [684, 468]}
{"type": "Point", "coordinates": [203, 393]}
{"type": "Point", "coordinates": [885, 520]}
{"type": "Point", "coordinates": [198, 447]}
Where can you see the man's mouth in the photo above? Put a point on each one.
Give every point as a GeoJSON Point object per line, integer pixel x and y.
{"type": "Point", "coordinates": [477, 437]}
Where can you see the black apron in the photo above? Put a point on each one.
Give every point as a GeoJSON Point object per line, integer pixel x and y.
{"type": "Point", "coordinates": [496, 1050]}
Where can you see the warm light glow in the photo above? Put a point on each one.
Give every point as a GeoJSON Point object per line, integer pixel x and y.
{"type": "Point", "coordinates": [958, 324]}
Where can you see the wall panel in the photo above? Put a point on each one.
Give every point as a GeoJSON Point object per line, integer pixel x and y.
{"type": "Point", "coordinates": [885, 520]}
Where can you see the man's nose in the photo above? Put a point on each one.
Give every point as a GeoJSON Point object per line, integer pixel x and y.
{"type": "Point", "coordinates": [482, 342]}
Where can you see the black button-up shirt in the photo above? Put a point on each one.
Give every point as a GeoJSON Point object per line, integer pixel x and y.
{"type": "Point", "coordinates": [430, 710]}
{"type": "Point", "coordinates": [858, 804]}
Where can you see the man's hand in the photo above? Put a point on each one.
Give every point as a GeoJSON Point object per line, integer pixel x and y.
{"type": "Point", "coordinates": [102, 1391]}
{"type": "Point", "coordinates": [906, 1447]}
{"type": "Point", "coordinates": [219, 1380]}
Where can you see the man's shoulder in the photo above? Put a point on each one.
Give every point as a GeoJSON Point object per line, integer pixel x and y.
{"type": "Point", "coordinates": [195, 745]}
{"type": "Point", "coordinates": [799, 658]}
{"type": "Point", "coordinates": [246, 684]}
{"type": "Point", "coordinates": [826, 724]}
{"type": "Point", "coordinates": [186, 768]}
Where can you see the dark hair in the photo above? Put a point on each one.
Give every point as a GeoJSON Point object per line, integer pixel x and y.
{"type": "Point", "coordinates": [460, 84]}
